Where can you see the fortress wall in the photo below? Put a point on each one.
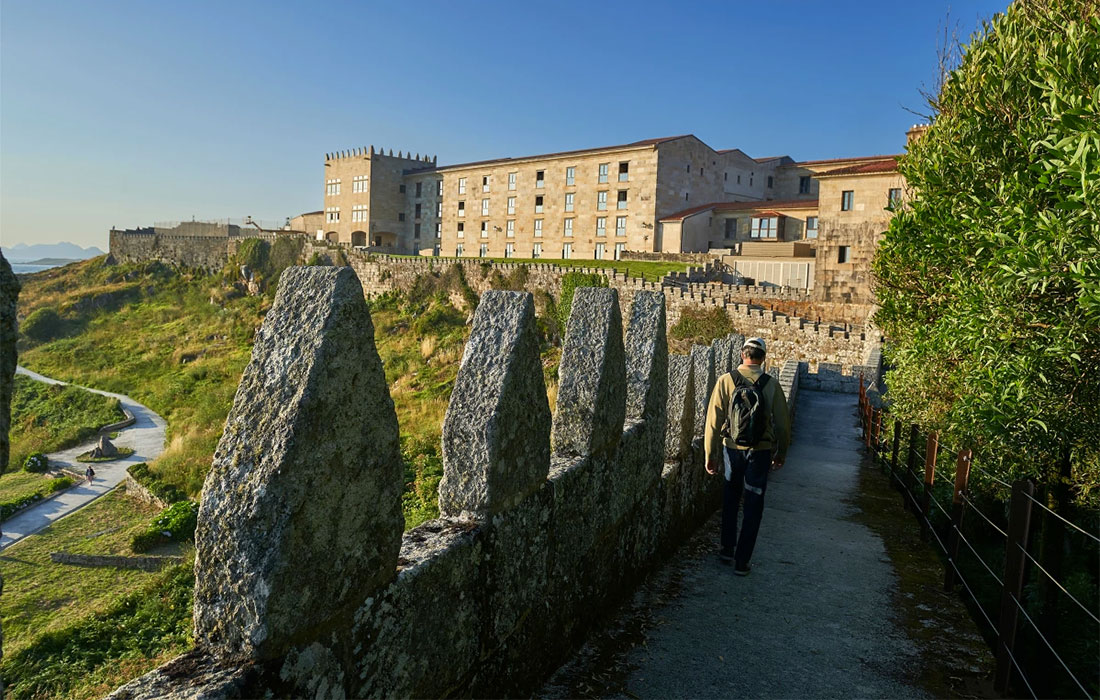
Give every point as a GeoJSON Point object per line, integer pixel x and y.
{"type": "Point", "coordinates": [197, 248]}
{"type": "Point", "coordinates": [305, 587]}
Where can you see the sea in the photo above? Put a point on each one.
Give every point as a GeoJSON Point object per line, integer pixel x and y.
{"type": "Point", "coordinates": [25, 269]}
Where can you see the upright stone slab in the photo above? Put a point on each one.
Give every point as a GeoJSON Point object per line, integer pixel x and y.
{"type": "Point", "coordinates": [9, 293]}
{"type": "Point", "coordinates": [681, 407]}
{"type": "Point", "coordinates": [300, 518]}
{"type": "Point", "coordinates": [592, 377]}
{"type": "Point", "coordinates": [722, 348]}
{"type": "Point", "coordinates": [647, 359]}
{"type": "Point", "coordinates": [702, 357]}
{"type": "Point", "coordinates": [496, 435]}
{"type": "Point", "coordinates": [737, 341]}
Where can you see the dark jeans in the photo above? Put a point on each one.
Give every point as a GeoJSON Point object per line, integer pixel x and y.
{"type": "Point", "coordinates": [749, 476]}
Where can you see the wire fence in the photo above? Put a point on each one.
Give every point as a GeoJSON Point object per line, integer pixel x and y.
{"type": "Point", "coordinates": [1029, 573]}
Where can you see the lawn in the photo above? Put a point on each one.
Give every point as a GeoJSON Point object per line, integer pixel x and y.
{"type": "Point", "coordinates": [18, 485]}
{"type": "Point", "coordinates": [49, 417]}
{"type": "Point", "coordinates": [650, 270]}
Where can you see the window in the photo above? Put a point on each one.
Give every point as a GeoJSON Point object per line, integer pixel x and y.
{"type": "Point", "coordinates": [439, 210]}
{"type": "Point", "coordinates": [894, 197]}
{"type": "Point", "coordinates": [569, 201]}
{"type": "Point", "coordinates": [687, 196]}
{"type": "Point", "coordinates": [731, 228]}
{"type": "Point", "coordinates": [484, 183]}
{"type": "Point", "coordinates": [359, 212]}
{"type": "Point", "coordinates": [700, 172]}
{"type": "Point", "coordinates": [619, 248]}
{"type": "Point", "coordinates": [484, 229]}
{"type": "Point", "coordinates": [738, 179]}
{"type": "Point", "coordinates": [483, 250]}
{"type": "Point", "coordinates": [485, 207]}
{"type": "Point", "coordinates": [540, 178]}
{"type": "Point", "coordinates": [401, 189]}
{"type": "Point", "coordinates": [750, 180]}
{"type": "Point", "coordinates": [570, 175]}
{"type": "Point", "coordinates": [462, 208]}
{"type": "Point", "coordinates": [462, 185]}
{"type": "Point", "coordinates": [536, 250]}
{"type": "Point", "coordinates": [332, 187]}
{"type": "Point", "coordinates": [604, 167]}
{"type": "Point", "coordinates": [846, 200]}
{"type": "Point", "coordinates": [332, 214]}
{"type": "Point", "coordinates": [601, 226]}
{"type": "Point", "coordinates": [764, 226]}
{"type": "Point", "coordinates": [620, 201]}
{"type": "Point", "coordinates": [416, 211]}
{"type": "Point", "coordinates": [620, 225]}
{"type": "Point", "coordinates": [804, 184]}
{"type": "Point", "coordinates": [511, 181]}
{"type": "Point", "coordinates": [359, 183]}
{"type": "Point", "coordinates": [439, 229]}
{"type": "Point", "coordinates": [624, 172]}
{"type": "Point", "coordinates": [416, 230]}
{"type": "Point", "coordinates": [568, 227]}
{"type": "Point", "coordinates": [566, 251]}
{"type": "Point", "coordinates": [439, 188]}
{"type": "Point", "coordinates": [601, 201]}
{"type": "Point", "coordinates": [509, 250]}
{"type": "Point", "coordinates": [599, 251]}
{"type": "Point", "coordinates": [511, 228]}
{"type": "Point", "coordinates": [687, 169]}
{"type": "Point", "coordinates": [458, 250]}
{"type": "Point", "coordinates": [538, 227]}
{"type": "Point", "coordinates": [770, 181]}
{"type": "Point", "coordinates": [401, 216]}
{"type": "Point", "coordinates": [811, 227]}
{"type": "Point", "coordinates": [538, 204]}
{"type": "Point", "coordinates": [418, 185]}
{"type": "Point", "coordinates": [461, 229]}
{"type": "Point", "coordinates": [843, 254]}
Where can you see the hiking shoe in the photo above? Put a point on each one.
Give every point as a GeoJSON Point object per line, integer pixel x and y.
{"type": "Point", "coordinates": [741, 569]}
{"type": "Point", "coordinates": [725, 558]}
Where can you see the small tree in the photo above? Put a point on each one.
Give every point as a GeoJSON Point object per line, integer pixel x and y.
{"type": "Point", "coordinates": [988, 279]}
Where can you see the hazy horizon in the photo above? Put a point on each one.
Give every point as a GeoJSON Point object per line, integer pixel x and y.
{"type": "Point", "coordinates": [129, 113]}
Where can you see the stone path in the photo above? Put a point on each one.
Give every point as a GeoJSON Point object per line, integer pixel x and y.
{"type": "Point", "coordinates": [145, 436]}
{"type": "Point", "coordinates": [815, 618]}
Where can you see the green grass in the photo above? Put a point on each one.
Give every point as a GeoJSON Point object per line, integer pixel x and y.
{"type": "Point", "coordinates": [650, 270]}
{"type": "Point", "coordinates": [123, 453]}
{"type": "Point", "coordinates": [48, 417]}
{"type": "Point", "coordinates": [17, 485]}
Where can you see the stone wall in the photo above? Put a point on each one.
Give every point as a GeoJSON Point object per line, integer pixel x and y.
{"type": "Point", "coordinates": [143, 563]}
{"type": "Point", "coordinates": [305, 584]}
{"type": "Point", "coordinates": [9, 293]}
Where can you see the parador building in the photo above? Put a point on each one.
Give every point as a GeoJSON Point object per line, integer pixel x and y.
{"type": "Point", "coordinates": [776, 220]}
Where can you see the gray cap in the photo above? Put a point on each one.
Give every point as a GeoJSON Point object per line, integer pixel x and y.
{"type": "Point", "coordinates": [757, 343]}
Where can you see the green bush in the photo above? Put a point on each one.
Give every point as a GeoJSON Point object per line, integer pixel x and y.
{"type": "Point", "coordinates": [61, 482]}
{"type": "Point", "coordinates": [570, 281]}
{"type": "Point", "coordinates": [43, 325]}
{"type": "Point", "coordinates": [165, 492]}
{"type": "Point", "coordinates": [36, 463]}
{"type": "Point", "coordinates": [176, 523]}
{"type": "Point", "coordinates": [8, 508]}
{"type": "Point", "coordinates": [988, 280]}
{"type": "Point", "coordinates": [701, 326]}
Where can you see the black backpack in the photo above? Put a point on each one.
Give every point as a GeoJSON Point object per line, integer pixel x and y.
{"type": "Point", "coordinates": [747, 417]}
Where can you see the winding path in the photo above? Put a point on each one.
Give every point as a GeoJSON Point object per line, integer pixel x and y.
{"type": "Point", "coordinates": [145, 436]}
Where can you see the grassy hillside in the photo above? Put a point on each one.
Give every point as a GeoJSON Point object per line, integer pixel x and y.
{"type": "Point", "coordinates": [48, 417]}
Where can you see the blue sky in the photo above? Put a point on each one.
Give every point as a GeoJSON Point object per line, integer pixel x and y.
{"type": "Point", "coordinates": [126, 113]}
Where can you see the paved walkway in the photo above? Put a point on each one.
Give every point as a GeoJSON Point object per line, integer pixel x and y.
{"type": "Point", "coordinates": [145, 436]}
{"type": "Point", "coordinates": [815, 617]}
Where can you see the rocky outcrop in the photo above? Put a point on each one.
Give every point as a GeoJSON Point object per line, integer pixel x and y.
{"type": "Point", "coordinates": [105, 449]}
{"type": "Point", "coordinates": [9, 293]}
{"type": "Point", "coordinates": [301, 510]}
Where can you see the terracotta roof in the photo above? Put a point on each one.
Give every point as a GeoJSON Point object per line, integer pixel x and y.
{"type": "Point", "coordinates": [846, 160]}
{"type": "Point", "coordinates": [766, 205]}
{"type": "Point", "coordinates": [878, 166]}
{"type": "Point", "coordinates": [635, 144]}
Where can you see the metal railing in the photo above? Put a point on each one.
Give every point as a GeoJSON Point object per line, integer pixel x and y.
{"type": "Point", "coordinates": [989, 555]}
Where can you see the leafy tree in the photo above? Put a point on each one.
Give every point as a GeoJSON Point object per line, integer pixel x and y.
{"type": "Point", "coordinates": [988, 279]}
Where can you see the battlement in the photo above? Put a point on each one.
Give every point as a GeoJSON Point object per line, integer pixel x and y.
{"type": "Point", "coordinates": [371, 152]}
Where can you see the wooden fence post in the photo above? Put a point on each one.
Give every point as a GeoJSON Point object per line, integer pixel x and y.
{"type": "Point", "coordinates": [930, 449]}
{"type": "Point", "coordinates": [958, 509]}
{"type": "Point", "coordinates": [1019, 524]}
{"type": "Point", "coordinates": [867, 413]}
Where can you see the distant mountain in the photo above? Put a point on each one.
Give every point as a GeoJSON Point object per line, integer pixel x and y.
{"type": "Point", "coordinates": [22, 253]}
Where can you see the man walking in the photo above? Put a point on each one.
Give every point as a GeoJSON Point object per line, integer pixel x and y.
{"type": "Point", "coordinates": [749, 429]}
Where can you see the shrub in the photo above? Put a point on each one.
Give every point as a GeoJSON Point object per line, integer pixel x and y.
{"type": "Point", "coordinates": [570, 281]}
{"type": "Point", "coordinates": [176, 523]}
{"type": "Point", "coordinates": [61, 482]}
{"type": "Point", "coordinates": [36, 463]}
{"type": "Point", "coordinates": [43, 325]}
{"type": "Point", "coordinates": [8, 508]}
{"type": "Point", "coordinates": [165, 492]}
{"type": "Point", "coordinates": [702, 326]}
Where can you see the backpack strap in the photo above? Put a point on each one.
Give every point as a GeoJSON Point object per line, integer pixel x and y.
{"type": "Point", "coordinates": [762, 381]}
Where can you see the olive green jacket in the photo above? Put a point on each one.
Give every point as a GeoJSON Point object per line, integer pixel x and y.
{"type": "Point", "coordinates": [777, 435]}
